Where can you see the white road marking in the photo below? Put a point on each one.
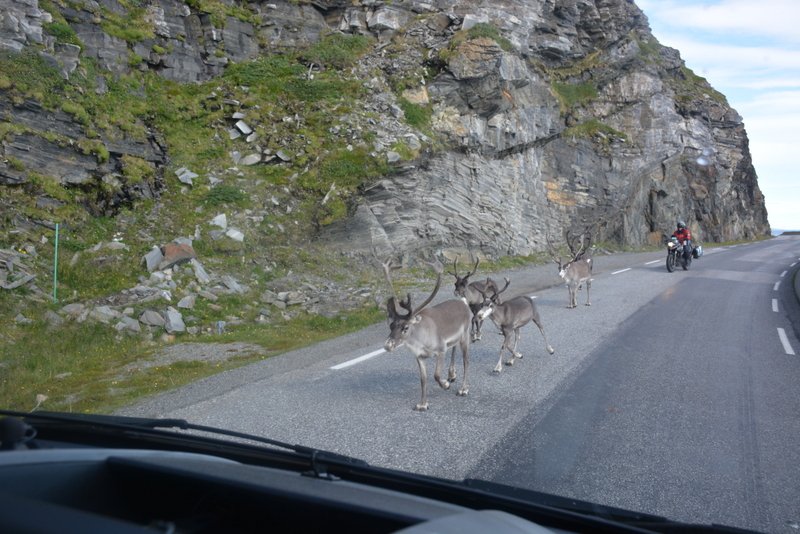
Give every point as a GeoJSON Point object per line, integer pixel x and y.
{"type": "Point", "coordinates": [360, 359]}
{"type": "Point", "coordinates": [776, 286]}
{"type": "Point", "coordinates": [784, 273]}
{"type": "Point", "coordinates": [792, 265]}
{"type": "Point", "coordinates": [775, 305]}
{"type": "Point", "coordinates": [785, 341]}
{"type": "Point", "coordinates": [621, 271]}
{"type": "Point", "coordinates": [652, 262]}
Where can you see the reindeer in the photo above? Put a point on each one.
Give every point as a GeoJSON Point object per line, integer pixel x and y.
{"type": "Point", "coordinates": [473, 293]}
{"type": "Point", "coordinates": [430, 331]}
{"type": "Point", "coordinates": [576, 271]}
{"type": "Point", "coordinates": [509, 317]}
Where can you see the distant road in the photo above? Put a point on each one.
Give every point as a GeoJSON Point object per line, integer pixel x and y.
{"type": "Point", "coordinates": [674, 393]}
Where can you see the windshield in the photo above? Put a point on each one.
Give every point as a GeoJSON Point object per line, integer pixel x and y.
{"type": "Point", "coordinates": [551, 245]}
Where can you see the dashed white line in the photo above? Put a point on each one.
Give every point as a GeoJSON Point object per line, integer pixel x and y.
{"type": "Point", "coordinates": [784, 273]}
{"type": "Point", "coordinates": [792, 265]}
{"type": "Point", "coordinates": [360, 359]}
{"type": "Point", "coordinates": [621, 271]}
{"type": "Point", "coordinates": [776, 286]}
{"type": "Point", "coordinates": [775, 305]}
{"type": "Point", "coordinates": [652, 262]}
{"type": "Point", "coordinates": [787, 347]}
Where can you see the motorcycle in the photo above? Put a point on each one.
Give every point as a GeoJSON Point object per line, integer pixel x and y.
{"type": "Point", "coordinates": [675, 255]}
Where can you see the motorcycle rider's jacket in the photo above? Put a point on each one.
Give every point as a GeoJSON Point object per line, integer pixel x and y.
{"type": "Point", "coordinates": [682, 234]}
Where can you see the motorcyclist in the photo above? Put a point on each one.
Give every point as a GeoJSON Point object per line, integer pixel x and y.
{"type": "Point", "coordinates": [682, 234]}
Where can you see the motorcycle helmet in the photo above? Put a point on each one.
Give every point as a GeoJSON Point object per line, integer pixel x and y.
{"type": "Point", "coordinates": [681, 224]}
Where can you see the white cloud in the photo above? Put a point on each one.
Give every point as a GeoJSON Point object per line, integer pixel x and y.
{"type": "Point", "coordinates": [773, 19]}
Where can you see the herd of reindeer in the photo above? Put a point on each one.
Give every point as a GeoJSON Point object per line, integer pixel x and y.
{"type": "Point", "coordinates": [431, 330]}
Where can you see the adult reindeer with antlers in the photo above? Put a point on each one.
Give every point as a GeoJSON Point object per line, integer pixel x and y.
{"type": "Point", "coordinates": [577, 270]}
{"type": "Point", "coordinates": [430, 331]}
{"type": "Point", "coordinates": [473, 293]}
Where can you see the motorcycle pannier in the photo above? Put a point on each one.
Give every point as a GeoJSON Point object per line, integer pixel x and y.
{"type": "Point", "coordinates": [697, 251]}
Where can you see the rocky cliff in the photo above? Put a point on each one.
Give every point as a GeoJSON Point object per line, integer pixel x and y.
{"type": "Point", "coordinates": [582, 119]}
{"type": "Point", "coordinates": [537, 116]}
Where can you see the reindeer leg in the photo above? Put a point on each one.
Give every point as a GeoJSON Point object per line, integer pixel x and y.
{"type": "Point", "coordinates": [451, 373]}
{"type": "Point", "coordinates": [423, 378]}
{"type": "Point", "coordinates": [475, 326]}
{"type": "Point", "coordinates": [514, 353]}
{"type": "Point", "coordinates": [499, 367]}
{"type": "Point", "coordinates": [437, 371]}
{"type": "Point", "coordinates": [588, 286]}
{"type": "Point", "coordinates": [465, 357]}
{"type": "Point", "coordinates": [506, 345]}
{"type": "Point", "coordinates": [538, 323]}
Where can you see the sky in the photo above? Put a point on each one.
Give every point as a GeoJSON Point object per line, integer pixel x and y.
{"type": "Point", "coordinates": [750, 52]}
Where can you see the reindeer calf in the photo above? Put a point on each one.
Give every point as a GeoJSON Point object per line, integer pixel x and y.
{"type": "Point", "coordinates": [509, 317]}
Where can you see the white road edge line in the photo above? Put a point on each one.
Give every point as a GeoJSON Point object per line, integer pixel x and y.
{"type": "Point", "coordinates": [776, 286]}
{"type": "Point", "coordinates": [785, 340]}
{"type": "Point", "coordinates": [792, 265]}
{"type": "Point", "coordinates": [360, 359]}
{"type": "Point", "coordinates": [652, 262]}
{"type": "Point", "coordinates": [621, 271]}
{"type": "Point", "coordinates": [784, 273]}
{"type": "Point", "coordinates": [775, 305]}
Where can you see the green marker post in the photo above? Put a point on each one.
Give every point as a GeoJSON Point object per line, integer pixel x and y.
{"type": "Point", "coordinates": [55, 269]}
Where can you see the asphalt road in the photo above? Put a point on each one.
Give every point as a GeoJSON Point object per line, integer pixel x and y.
{"type": "Point", "coordinates": [674, 393]}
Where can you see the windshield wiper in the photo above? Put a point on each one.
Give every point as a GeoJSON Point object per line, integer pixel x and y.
{"type": "Point", "coordinates": [128, 424]}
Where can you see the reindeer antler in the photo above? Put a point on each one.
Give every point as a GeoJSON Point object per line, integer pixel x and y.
{"type": "Point", "coordinates": [455, 269]}
{"type": "Point", "coordinates": [584, 240]}
{"type": "Point", "coordinates": [469, 273]}
{"type": "Point", "coordinates": [496, 297]}
{"type": "Point", "coordinates": [438, 268]}
{"type": "Point", "coordinates": [552, 251]}
{"type": "Point", "coordinates": [475, 268]}
{"type": "Point", "coordinates": [391, 304]}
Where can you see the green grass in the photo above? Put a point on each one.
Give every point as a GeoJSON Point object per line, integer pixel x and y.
{"type": "Point", "coordinates": [220, 11]}
{"type": "Point", "coordinates": [338, 51]}
{"type": "Point", "coordinates": [31, 77]}
{"type": "Point", "coordinates": [485, 30]}
{"type": "Point", "coordinates": [571, 95]}
{"type": "Point", "coordinates": [592, 129]}
{"type": "Point", "coordinates": [226, 194]}
{"type": "Point", "coordinates": [306, 329]}
{"type": "Point", "coordinates": [479, 31]}
{"type": "Point", "coordinates": [97, 275]}
{"type": "Point", "coordinates": [62, 31]}
{"type": "Point", "coordinates": [130, 27]}
{"type": "Point", "coordinates": [416, 115]}
{"type": "Point", "coordinates": [689, 86]}
{"type": "Point", "coordinates": [82, 368]}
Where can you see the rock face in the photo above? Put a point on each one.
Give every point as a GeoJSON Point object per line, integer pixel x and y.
{"type": "Point", "coordinates": [653, 143]}
{"type": "Point", "coordinates": [567, 114]}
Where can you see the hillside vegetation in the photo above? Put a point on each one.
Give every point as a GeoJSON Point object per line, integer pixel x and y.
{"type": "Point", "coordinates": [309, 103]}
